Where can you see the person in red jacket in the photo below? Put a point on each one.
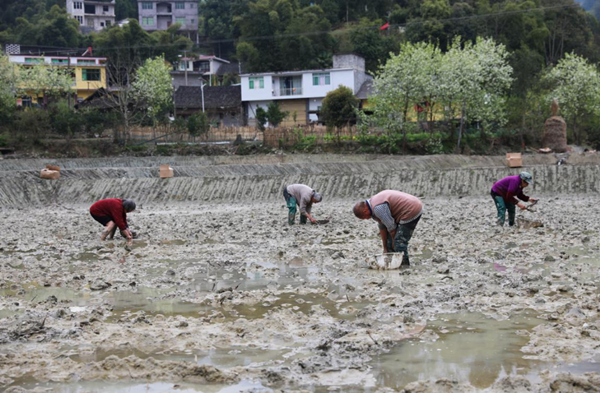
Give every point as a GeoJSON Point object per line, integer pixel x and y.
{"type": "Point", "coordinates": [112, 213]}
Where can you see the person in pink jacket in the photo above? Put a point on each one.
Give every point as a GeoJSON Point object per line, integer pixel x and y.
{"type": "Point", "coordinates": [397, 214]}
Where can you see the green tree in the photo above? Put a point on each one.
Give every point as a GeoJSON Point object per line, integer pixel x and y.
{"type": "Point", "coordinates": [576, 86]}
{"type": "Point", "coordinates": [50, 28]}
{"type": "Point", "coordinates": [261, 118]}
{"type": "Point", "coordinates": [64, 120]}
{"type": "Point", "coordinates": [274, 114]}
{"type": "Point", "coordinates": [198, 124]}
{"type": "Point", "coordinates": [339, 107]}
{"type": "Point", "coordinates": [369, 43]}
{"type": "Point", "coordinates": [218, 25]}
{"type": "Point", "coordinates": [126, 9]}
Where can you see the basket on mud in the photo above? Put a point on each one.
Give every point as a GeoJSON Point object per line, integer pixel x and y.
{"type": "Point", "coordinates": [386, 261]}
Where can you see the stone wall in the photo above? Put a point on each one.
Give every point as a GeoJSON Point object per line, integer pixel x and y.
{"type": "Point", "coordinates": [252, 181]}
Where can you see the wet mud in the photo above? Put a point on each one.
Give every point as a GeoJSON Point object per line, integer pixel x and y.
{"type": "Point", "coordinates": [226, 297]}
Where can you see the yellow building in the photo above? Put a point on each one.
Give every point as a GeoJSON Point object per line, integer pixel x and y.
{"type": "Point", "coordinates": [89, 73]}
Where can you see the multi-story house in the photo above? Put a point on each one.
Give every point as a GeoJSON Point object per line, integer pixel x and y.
{"type": "Point", "coordinates": [93, 15]}
{"type": "Point", "coordinates": [209, 70]}
{"type": "Point", "coordinates": [301, 93]}
{"type": "Point", "coordinates": [161, 14]}
{"type": "Point", "coordinates": [89, 73]}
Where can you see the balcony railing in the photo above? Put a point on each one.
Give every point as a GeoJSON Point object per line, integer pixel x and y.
{"type": "Point", "coordinates": [292, 91]}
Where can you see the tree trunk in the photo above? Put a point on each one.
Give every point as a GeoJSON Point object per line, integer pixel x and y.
{"type": "Point", "coordinates": [575, 131]}
{"type": "Point", "coordinates": [404, 119]}
{"type": "Point", "coordinates": [460, 130]}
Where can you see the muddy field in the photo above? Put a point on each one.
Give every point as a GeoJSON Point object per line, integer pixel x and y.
{"type": "Point", "coordinates": [218, 295]}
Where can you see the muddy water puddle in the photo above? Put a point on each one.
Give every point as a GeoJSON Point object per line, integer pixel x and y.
{"type": "Point", "coordinates": [156, 387]}
{"type": "Point", "coordinates": [222, 358]}
{"type": "Point", "coordinates": [471, 348]}
{"type": "Point", "coordinates": [35, 293]}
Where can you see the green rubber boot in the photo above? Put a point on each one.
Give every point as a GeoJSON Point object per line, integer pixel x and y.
{"type": "Point", "coordinates": [291, 218]}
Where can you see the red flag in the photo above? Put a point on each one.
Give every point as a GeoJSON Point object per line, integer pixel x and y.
{"type": "Point", "coordinates": [384, 27]}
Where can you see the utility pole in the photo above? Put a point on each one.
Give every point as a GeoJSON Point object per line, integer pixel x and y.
{"type": "Point", "coordinates": [202, 90]}
{"type": "Point", "coordinates": [185, 65]}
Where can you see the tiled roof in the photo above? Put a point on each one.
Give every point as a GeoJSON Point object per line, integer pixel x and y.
{"type": "Point", "coordinates": [215, 97]}
{"type": "Point", "coordinates": [230, 68]}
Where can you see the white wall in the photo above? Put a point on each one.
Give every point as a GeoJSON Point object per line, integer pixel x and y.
{"type": "Point", "coordinates": [257, 94]}
{"type": "Point", "coordinates": [337, 77]}
{"type": "Point", "coordinates": [20, 59]}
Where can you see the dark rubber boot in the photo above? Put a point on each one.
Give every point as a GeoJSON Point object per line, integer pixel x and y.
{"type": "Point", "coordinates": [303, 219]}
{"type": "Point", "coordinates": [291, 219]}
{"type": "Point", "coordinates": [405, 261]}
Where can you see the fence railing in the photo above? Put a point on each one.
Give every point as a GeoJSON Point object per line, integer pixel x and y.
{"type": "Point", "coordinates": [215, 135]}
{"type": "Point", "coordinates": [318, 135]}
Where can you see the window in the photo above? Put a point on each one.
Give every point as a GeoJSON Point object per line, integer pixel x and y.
{"type": "Point", "coordinates": [204, 66]}
{"type": "Point", "coordinates": [101, 24]}
{"type": "Point", "coordinates": [108, 23]}
{"type": "Point", "coordinates": [90, 22]}
{"type": "Point", "coordinates": [60, 61]}
{"type": "Point", "coordinates": [78, 5]}
{"type": "Point", "coordinates": [89, 9]}
{"type": "Point", "coordinates": [79, 19]}
{"type": "Point", "coordinates": [90, 75]}
{"type": "Point", "coordinates": [181, 21]}
{"type": "Point", "coordinates": [146, 5]}
{"type": "Point", "coordinates": [192, 21]}
{"type": "Point", "coordinates": [254, 80]}
{"type": "Point", "coordinates": [33, 60]}
{"type": "Point", "coordinates": [180, 5]}
{"type": "Point", "coordinates": [192, 5]}
{"type": "Point", "coordinates": [148, 21]}
{"type": "Point", "coordinates": [321, 79]}
{"type": "Point", "coordinates": [86, 62]}
{"type": "Point", "coordinates": [105, 8]}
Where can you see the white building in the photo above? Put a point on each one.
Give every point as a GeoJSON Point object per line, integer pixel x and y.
{"type": "Point", "coordinates": [92, 14]}
{"type": "Point", "coordinates": [301, 93]}
{"type": "Point", "coordinates": [198, 70]}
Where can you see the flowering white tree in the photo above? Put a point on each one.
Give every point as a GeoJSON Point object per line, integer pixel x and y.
{"type": "Point", "coordinates": [8, 83]}
{"type": "Point", "coordinates": [152, 86]}
{"type": "Point", "coordinates": [473, 80]}
{"type": "Point", "coordinates": [469, 80]}
{"type": "Point", "coordinates": [43, 79]}
{"type": "Point", "coordinates": [406, 79]}
{"type": "Point", "coordinates": [576, 88]}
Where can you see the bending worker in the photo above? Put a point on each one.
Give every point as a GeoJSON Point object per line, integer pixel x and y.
{"type": "Point", "coordinates": [397, 214]}
{"type": "Point", "coordinates": [505, 193]}
{"type": "Point", "coordinates": [299, 194]}
{"type": "Point", "coordinates": [112, 213]}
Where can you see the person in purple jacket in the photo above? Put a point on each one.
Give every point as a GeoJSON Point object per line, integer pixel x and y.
{"type": "Point", "coordinates": [505, 193]}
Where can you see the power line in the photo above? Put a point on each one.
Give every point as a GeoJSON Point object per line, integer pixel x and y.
{"type": "Point", "coordinates": [322, 32]}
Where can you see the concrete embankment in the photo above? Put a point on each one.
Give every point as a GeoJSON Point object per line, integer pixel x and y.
{"type": "Point", "coordinates": [259, 178]}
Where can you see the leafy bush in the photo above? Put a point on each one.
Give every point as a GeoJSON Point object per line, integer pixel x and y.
{"type": "Point", "coordinates": [198, 124]}
{"type": "Point", "coordinates": [3, 140]}
{"type": "Point", "coordinates": [30, 125]}
{"type": "Point", "coordinates": [64, 120]}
